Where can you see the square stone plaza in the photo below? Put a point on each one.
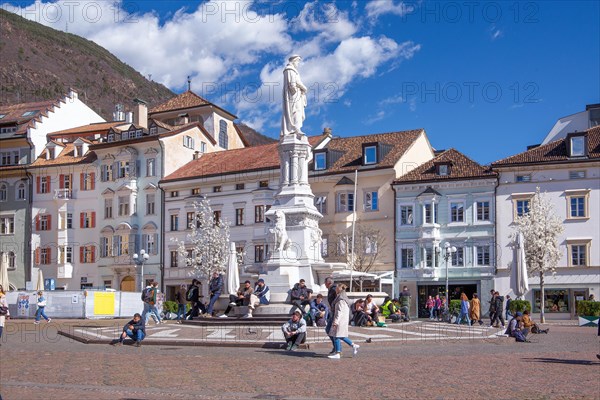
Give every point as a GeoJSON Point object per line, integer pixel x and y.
{"type": "Point", "coordinates": [72, 359]}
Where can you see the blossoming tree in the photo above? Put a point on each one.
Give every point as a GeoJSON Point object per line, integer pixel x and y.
{"type": "Point", "coordinates": [540, 228]}
{"type": "Point", "coordinates": [206, 247]}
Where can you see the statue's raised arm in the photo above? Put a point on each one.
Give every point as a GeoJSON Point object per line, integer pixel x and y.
{"type": "Point", "coordinates": [294, 98]}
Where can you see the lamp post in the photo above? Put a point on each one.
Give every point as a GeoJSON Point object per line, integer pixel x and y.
{"type": "Point", "coordinates": [447, 255]}
{"type": "Point", "coordinates": [140, 259]}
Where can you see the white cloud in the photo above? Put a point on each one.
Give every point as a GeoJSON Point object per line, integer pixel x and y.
{"type": "Point", "coordinates": [397, 99]}
{"type": "Point", "coordinates": [374, 118]}
{"type": "Point", "coordinates": [495, 33]}
{"type": "Point", "coordinates": [376, 8]}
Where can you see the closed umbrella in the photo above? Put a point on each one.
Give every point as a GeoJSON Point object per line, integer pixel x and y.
{"type": "Point", "coordinates": [522, 285]}
{"type": "Point", "coordinates": [40, 280]}
{"type": "Point", "coordinates": [233, 274]}
{"type": "Point", "coordinates": [4, 272]}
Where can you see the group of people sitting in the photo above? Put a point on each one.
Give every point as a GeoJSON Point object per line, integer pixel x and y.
{"type": "Point", "coordinates": [521, 326]}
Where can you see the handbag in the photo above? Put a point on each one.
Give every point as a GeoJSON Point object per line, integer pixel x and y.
{"type": "Point", "coordinates": [3, 310]}
{"type": "Point", "coordinates": [42, 303]}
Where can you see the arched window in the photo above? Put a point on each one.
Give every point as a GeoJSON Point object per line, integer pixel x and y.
{"type": "Point", "coordinates": [21, 191]}
{"type": "Point", "coordinates": [3, 192]}
{"type": "Point", "coordinates": [223, 139]}
{"type": "Point", "coordinates": [12, 259]}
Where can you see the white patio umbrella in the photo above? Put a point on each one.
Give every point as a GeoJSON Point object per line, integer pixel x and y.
{"type": "Point", "coordinates": [40, 280]}
{"type": "Point", "coordinates": [4, 272]}
{"type": "Point", "coordinates": [233, 273]}
{"type": "Point", "coordinates": [522, 284]}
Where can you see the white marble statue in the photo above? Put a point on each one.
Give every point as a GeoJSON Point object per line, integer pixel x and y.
{"type": "Point", "coordinates": [294, 98]}
{"type": "Point", "coordinates": [279, 236]}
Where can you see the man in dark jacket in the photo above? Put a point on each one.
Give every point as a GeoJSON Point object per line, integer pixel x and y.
{"type": "Point", "coordinates": [195, 296]}
{"type": "Point", "coordinates": [215, 287]}
{"type": "Point", "coordinates": [135, 329]}
{"type": "Point", "coordinates": [405, 303]}
{"type": "Point", "coordinates": [492, 311]}
{"type": "Point", "coordinates": [241, 298]}
{"type": "Point", "coordinates": [331, 295]}
{"type": "Point", "coordinates": [499, 315]}
{"type": "Point", "coordinates": [300, 296]}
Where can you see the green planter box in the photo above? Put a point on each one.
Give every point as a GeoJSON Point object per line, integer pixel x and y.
{"type": "Point", "coordinates": [588, 321]}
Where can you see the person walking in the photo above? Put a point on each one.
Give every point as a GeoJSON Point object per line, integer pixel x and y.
{"type": "Point", "coordinates": [499, 315]}
{"type": "Point", "coordinates": [492, 311]}
{"type": "Point", "coordinates": [339, 326]}
{"type": "Point", "coordinates": [475, 310]}
{"type": "Point", "coordinates": [194, 296]}
{"type": "Point", "coordinates": [215, 287]}
{"type": "Point", "coordinates": [149, 297]}
{"type": "Point", "coordinates": [41, 306]}
{"type": "Point", "coordinates": [429, 305]}
{"type": "Point", "coordinates": [331, 295]}
{"type": "Point", "coordinates": [508, 314]}
{"type": "Point", "coordinates": [180, 297]}
{"type": "Point", "coordinates": [464, 310]}
{"type": "Point", "coordinates": [437, 306]}
{"type": "Point", "coordinates": [4, 312]}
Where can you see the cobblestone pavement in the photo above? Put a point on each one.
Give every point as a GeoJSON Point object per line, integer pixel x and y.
{"type": "Point", "coordinates": [36, 362]}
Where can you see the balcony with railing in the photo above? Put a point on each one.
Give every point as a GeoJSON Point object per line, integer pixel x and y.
{"type": "Point", "coordinates": [63, 194]}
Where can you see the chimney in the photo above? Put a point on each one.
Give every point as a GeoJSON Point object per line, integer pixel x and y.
{"type": "Point", "coordinates": [327, 131]}
{"type": "Point", "coordinates": [129, 117]}
{"type": "Point", "coordinates": [140, 114]}
{"type": "Point", "coordinates": [196, 155]}
{"type": "Point", "coordinates": [118, 114]}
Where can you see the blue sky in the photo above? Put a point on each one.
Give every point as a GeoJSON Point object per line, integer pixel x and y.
{"type": "Point", "coordinates": [487, 78]}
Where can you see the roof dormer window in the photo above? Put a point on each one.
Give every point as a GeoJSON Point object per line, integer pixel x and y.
{"type": "Point", "coordinates": [443, 169]}
{"type": "Point", "coordinates": [370, 154]}
{"type": "Point", "coordinates": [577, 144]}
{"type": "Point", "coordinates": [320, 161]}
{"type": "Point", "coordinates": [50, 153]}
{"type": "Point", "coordinates": [29, 113]}
{"type": "Point", "coordinates": [78, 150]}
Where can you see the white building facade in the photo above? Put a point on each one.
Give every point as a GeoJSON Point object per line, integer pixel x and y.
{"type": "Point", "coordinates": [567, 171]}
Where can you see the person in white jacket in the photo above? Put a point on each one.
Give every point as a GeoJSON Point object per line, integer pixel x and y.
{"type": "Point", "coordinates": [339, 327]}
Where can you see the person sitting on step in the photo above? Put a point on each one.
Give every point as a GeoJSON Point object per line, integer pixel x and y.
{"type": "Point", "coordinates": [241, 298]}
{"type": "Point", "coordinates": [294, 331]}
{"type": "Point", "coordinates": [530, 325]}
{"type": "Point", "coordinates": [300, 296]}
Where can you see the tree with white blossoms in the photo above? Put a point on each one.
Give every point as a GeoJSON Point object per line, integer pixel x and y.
{"type": "Point", "coordinates": [540, 228]}
{"type": "Point", "coordinates": [208, 241]}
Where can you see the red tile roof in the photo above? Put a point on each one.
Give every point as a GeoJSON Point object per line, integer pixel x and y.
{"type": "Point", "coordinates": [554, 152]}
{"type": "Point", "coordinates": [461, 168]}
{"type": "Point", "coordinates": [185, 100]}
{"type": "Point", "coordinates": [352, 149]}
{"type": "Point", "coordinates": [64, 158]}
{"type": "Point", "coordinates": [233, 161]}
{"type": "Point", "coordinates": [14, 113]}
{"type": "Point", "coordinates": [84, 130]}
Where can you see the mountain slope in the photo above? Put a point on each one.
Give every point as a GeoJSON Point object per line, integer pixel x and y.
{"type": "Point", "coordinates": [40, 63]}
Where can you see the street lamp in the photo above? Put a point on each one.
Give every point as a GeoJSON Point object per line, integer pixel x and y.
{"type": "Point", "coordinates": [140, 260]}
{"type": "Point", "coordinates": [447, 255]}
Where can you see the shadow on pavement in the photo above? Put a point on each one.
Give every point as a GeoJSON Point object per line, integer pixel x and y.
{"type": "Point", "coordinates": [560, 361]}
{"type": "Point", "coordinates": [298, 353]}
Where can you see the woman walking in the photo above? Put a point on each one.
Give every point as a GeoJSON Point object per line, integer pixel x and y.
{"type": "Point", "coordinates": [430, 305]}
{"type": "Point", "coordinates": [475, 310]}
{"type": "Point", "coordinates": [339, 327]}
{"type": "Point", "coordinates": [41, 305]}
{"type": "Point", "coordinates": [4, 313]}
{"type": "Point", "coordinates": [464, 310]}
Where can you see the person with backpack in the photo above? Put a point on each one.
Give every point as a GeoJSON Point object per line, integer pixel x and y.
{"type": "Point", "coordinates": [499, 307]}
{"type": "Point", "coordinates": [149, 297]}
{"type": "Point", "coordinates": [194, 296]}
{"type": "Point", "coordinates": [181, 298]}
{"type": "Point", "coordinates": [215, 287]}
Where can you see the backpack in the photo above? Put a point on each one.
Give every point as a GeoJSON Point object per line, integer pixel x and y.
{"type": "Point", "coordinates": [190, 295]}
{"type": "Point", "coordinates": [148, 296]}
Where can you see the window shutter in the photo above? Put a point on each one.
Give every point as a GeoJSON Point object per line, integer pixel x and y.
{"type": "Point", "coordinates": [49, 253]}
{"type": "Point", "coordinates": [138, 168]}
{"type": "Point", "coordinates": [136, 241]}
{"type": "Point", "coordinates": [82, 181]}
{"type": "Point", "coordinates": [49, 222]}
{"type": "Point", "coordinates": [93, 181]}
{"type": "Point", "coordinates": [93, 253]}
{"type": "Point", "coordinates": [61, 183]}
{"type": "Point", "coordinates": [37, 222]}
{"type": "Point", "coordinates": [81, 255]}
{"type": "Point", "coordinates": [155, 252]}
{"type": "Point", "coordinates": [145, 241]}
{"type": "Point", "coordinates": [49, 181]}
{"type": "Point", "coordinates": [115, 245]}
{"type": "Point", "coordinates": [93, 219]}
{"type": "Point", "coordinates": [115, 171]}
{"type": "Point", "coordinates": [81, 220]}
{"type": "Point", "coordinates": [37, 255]}
{"type": "Point", "coordinates": [39, 184]}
